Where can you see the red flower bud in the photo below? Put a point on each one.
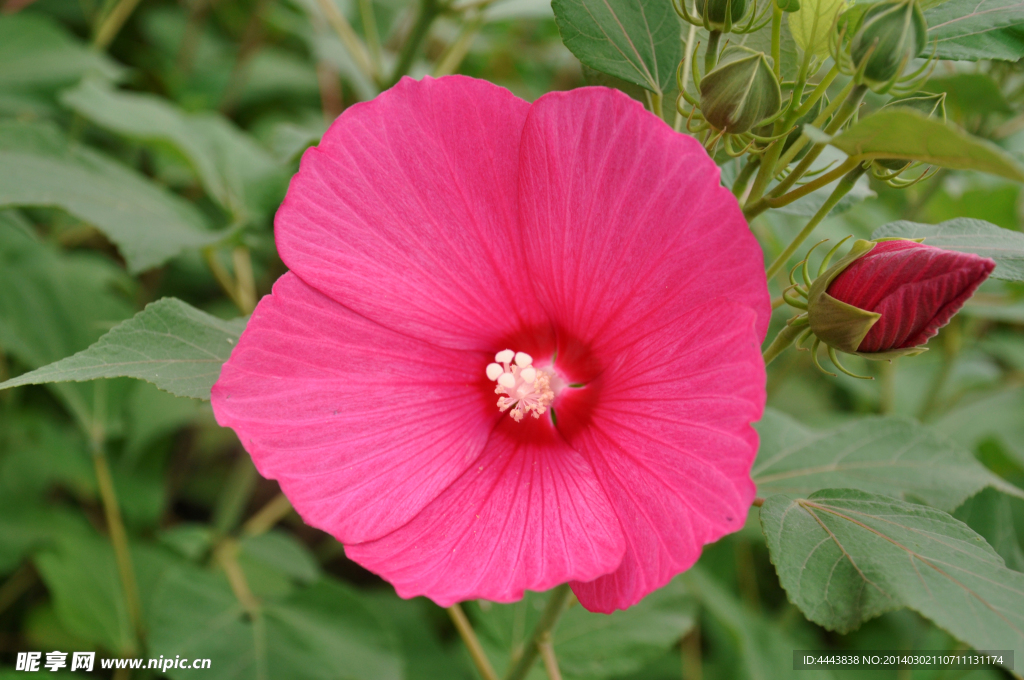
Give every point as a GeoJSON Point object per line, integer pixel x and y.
{"type": "Point", "coordinates": [915, 288]}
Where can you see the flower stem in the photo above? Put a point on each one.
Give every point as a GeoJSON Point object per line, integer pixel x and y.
{"type": "Point", "coordinates": [267, 516]}
{"type": "Point", "coordinates": [711, 52]}
{"type": "Point", "coordinates": [845, 185]}
{"type": "Point", "coordinates": [112, 23]}
{"type": "Point", "coordinates": [119, 540]}
{"type": "Point", "coordinates": [429, 9]}
{"type": "Point", "coordinates": [468, 635]}
{"type": "Point", "coordinates": [371, 33]}
{"type": "Point", "coordinates": [812, 186]}
{"type": "Point", "coordinates": [559, 601]}
{"type": "Point", "coordinates": [846, 111]}
{"type": "Point", "coordinates": [547, 655]}
{"type": "Point", "coordinates": [777, 40]}
{"type": "Point", "coordinates": [743, 178]}
{"type": "Point", "coordinates": [353, 45]}
{"type": "Point", "coordinates": [784, 339]}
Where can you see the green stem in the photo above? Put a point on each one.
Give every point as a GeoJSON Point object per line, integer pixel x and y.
{"type": "Point", "coordinates": [777, 39]}
{"type": "Point", "coordinates": [656, 99]}
{"type": "Point", "coordinates": [846, 111]}
{"type": "Point", "coordinates": [784, 339]}
{"type": "Point", "coordinates": [711, 53]}
{"type": "Point", "coordinates": [112, 23]}
{"type": "Point", "coordinates": [429, 10]}
{"type": "Point", "coordinates": [845, 185]}
{"type": "Point", "coordinates": [119, 540]}
{"type": "Point", "coordinates": [557, 604]}
{"type": "Point", "coordinates": [473, 646]}
{"type": "Point", "coordinates": [353, 45]}
{"type": "Point", "coordinates": [370, 31]}
{"type": "Point", "coordinates": [457, 51]}
{"type": "Point", "coordinates": [810, 187]}
{"type": "Point", "coordinates": [802, 140]}
{"type": "Point", "coordinates": [270, 514]}
{"type": "Point", "coordinates": [740, 185]}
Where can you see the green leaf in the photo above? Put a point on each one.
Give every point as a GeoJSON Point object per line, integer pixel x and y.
{"type": "Point", "coordinates": [763, 649]}
{"type": "Point", "coordinates": [53, 304]}
{"type": "Point", "coordinates": [82, 576]}
{"type": "Point", "coordinates": [845, 556]}
{"type": "Point", "coordinates": [891, 456]}
{"type": "Point", "coordinates": [591, 645]}
{"type": "Point", "coordinates": [148, 224]}
{"type": "Point", "coordinates": [38, 54]}
{"type": "Point", "coordinates": [324, 632]}
{"type": "Point", "coordinates": [900, 133]}
{"type": "Point", "coordinates": [968, 236]}
{"type": "Point", "coordinates": [989, 514]}
{"type": "Point", "coordinates": [233, 168]}
{"type": "Point", "coordinates": [971, 30]}
{"type": "Point", "coordinates": [811, 26]}
{"type": "Point", "coordinates": [173, 345]}
{"type": "Point", "coordinates": [637, 40]}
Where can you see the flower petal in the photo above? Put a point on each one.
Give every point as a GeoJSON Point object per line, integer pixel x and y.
{"type": "Point", "coordinates": [671, 441]}
{"type": "Point", "coordinates": [621, 214]}
{"type": "Point", "coordinates": [405, 212]}
{"type": "Point", "coordinates": [916, 288]}
{"type": "Point", "coordinates": [362, 426]}
{"type": "Point", "coordinates": [528, 515]}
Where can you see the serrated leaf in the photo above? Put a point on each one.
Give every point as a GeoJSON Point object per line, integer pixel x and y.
{"type": "Point", "coordinates": [968, 236]}
{"type": "Point", "coordinates": [324, 632]}
{"type": "Point", "coordinates": [845, 556]}
{"type": "Point", "coordinates": [171, 344]}
{"type": "Point", "coordinates": [892, 456]}
{"type": "Point", "coordinates": [971, 30]}
{"type": "Point", "coordinates": [36, 53]}
{"type": "Point", "coordinates": [637, 40]}
{"type": "Point", "coordinates": [899, 133]}
{"type": "Point", "coordinates": [148, 224]}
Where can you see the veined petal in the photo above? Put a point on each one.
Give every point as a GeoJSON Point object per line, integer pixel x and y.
{"type": "Point", "coordinates": [671, 441]}
{"type": "Point", "coordinates": [528, 515]}
{"type": "Point", "coordinates": [361, 425]}
{"type": "Point", "coordinates": [620, 215]}
{"type": "Point", "coordinates": [406, 211]}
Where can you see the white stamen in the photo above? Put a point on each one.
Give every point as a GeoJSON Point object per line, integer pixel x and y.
{"type": "Point", "coordinates": [526, 389]}
{"type": "Point", "coordinates": [494, 371]}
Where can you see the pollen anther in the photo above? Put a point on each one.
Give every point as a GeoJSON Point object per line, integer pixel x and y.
{"type": "Point", "coordinates": [525, 389]}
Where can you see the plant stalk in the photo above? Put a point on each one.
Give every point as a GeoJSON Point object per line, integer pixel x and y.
{"type": "Point", "coordinates": [429, 10]}
{"type": "Point", "coordinates": [845, 185]}
{"type": "Point", "coordinates": [473, 646]}
{"type": "Point", "coordinates": [786, 337]}
{"type": "Point", "coordinates": [711, 52]}
{"type": "Point", "coordinates": [560, 598]}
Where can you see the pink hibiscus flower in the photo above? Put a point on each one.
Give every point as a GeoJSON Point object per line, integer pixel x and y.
{"type": "Point", "coordinates": [518, 345]}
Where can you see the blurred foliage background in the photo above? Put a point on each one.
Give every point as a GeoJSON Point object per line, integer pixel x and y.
{"type": "Point", "coordinates": [144, 147]}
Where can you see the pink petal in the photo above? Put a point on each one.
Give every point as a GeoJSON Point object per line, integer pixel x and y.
{"type": "Point", "coordinates": [406, 211]}
{"type": "Point", "coordinates": [528, 515]}
{"type": "Point", "coordinates": [669, 436]}
{"type": "Point", "coordinates": [362, 426]}
{"type": "Point", "coordinates": [620, 214]}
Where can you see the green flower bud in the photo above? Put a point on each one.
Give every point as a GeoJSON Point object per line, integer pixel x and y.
{"type": "Point", "coordinates": [930, 105]}
{"type": "Point", "coordinates": [890, 35]}
{"type": "Point", "coordinates": [741, 92]}
{"type": "Point", "coordinates": [714, 12]}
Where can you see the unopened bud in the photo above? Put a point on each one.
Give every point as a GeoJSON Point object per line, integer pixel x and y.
{"type": "Point", "coordinates": [716, 12]}
{"type": "Point", "coordinates": [741, 92]}
{"type": "Point", "coordinates": [930, 105]}
{"type": "Point", "coordinates": [887, 298]}
{"type": "Point", "coordinates": [889, 36]}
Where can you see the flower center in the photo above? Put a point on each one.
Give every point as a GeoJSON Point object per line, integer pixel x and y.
{"type": "Point", "coordinates": [526, 389]}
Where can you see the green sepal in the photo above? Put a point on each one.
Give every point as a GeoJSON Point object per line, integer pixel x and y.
{"type": "Point", "coordinates": [837, 323]}
{"type": "Point", "coordinates": [892, 353]}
